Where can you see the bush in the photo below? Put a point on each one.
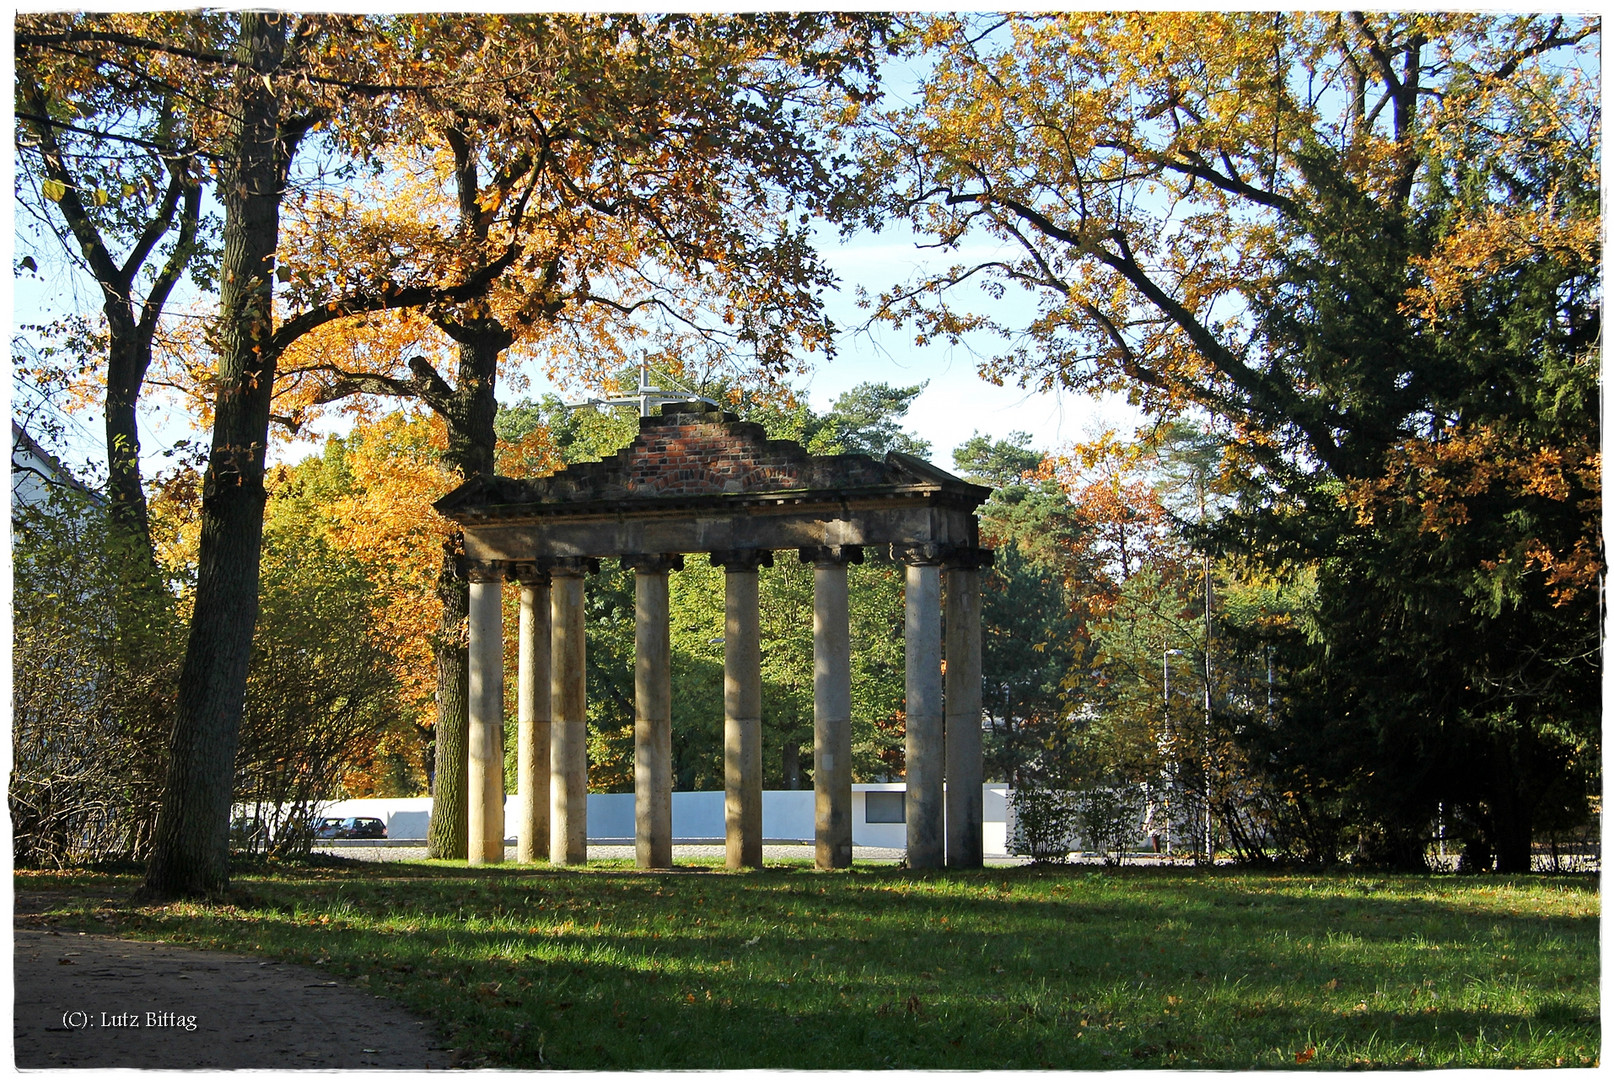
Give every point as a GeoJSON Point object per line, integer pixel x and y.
{"type": "Point", "coordinates": [1112, 817]}
{"type": "Point", "coordinates": [1045, 823]}
{"type": "Point", "coordinates": [95, 654]}
{"type": "Point", "coordinates": [320, 691]}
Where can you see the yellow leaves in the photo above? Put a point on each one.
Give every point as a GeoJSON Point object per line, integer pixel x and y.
{"type": "Point", "coordinates": [535, 454]}
{"type": "Point", "coordinates": [385, 519]}
{"type": "Point", "coordinates": [1499, 239]}
{"type": "Point", "coordinates": [54, 190]}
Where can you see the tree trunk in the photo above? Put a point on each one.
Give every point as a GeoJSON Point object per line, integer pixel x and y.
{"type": "Point", "coordinates": [1512, 831]}
{"type": "Point", "coordinates": [129, 337]}
{"type": "Point", "coordinates": [190, 856]}
{"type": "Point", "coordinates": [469, 415]}
{"type": "Point", "coordinates": [471, 442]}
{"type": "Point", "coordinates": [127, 361]}
{"type": "Point", "coordinates": [446, 836]}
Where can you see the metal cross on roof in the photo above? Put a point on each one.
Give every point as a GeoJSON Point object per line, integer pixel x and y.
{"type": "Point", "coordinates": [645, 397]}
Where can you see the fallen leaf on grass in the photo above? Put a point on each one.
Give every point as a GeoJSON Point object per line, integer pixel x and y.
{"type": "Point", "coordinates": [1305, 1055]}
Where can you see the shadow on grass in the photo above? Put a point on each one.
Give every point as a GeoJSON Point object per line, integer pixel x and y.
{"type": "Point", "coordinates": [1068, 967]}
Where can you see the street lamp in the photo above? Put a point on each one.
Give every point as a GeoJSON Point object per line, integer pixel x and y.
{"type": "Point", "coordinates": [1166, 736]}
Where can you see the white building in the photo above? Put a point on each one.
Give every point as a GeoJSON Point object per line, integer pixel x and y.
{"type": "Point", "coordinates": [697, 816]}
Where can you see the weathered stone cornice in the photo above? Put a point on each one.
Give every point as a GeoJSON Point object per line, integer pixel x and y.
{"type": "Point", "coordinates": [696, 479]}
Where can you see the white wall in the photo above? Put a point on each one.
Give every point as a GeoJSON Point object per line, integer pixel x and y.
{"type": "Point", "coordinates": [696, 815]}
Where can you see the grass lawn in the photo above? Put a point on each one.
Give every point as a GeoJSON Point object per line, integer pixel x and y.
{"type": "Point", "coordinates": [1011, 968]}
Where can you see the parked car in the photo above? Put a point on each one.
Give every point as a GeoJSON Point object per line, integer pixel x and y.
{"type": "Point", "coordinates": [361, 828]}
{"type": "Point", "coordinates": [327, 828]}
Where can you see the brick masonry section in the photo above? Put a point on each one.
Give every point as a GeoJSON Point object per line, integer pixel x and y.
{"type": "Point", "coordinates": [697, 450]}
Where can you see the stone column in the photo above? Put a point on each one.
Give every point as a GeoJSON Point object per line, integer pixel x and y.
{"type": "Point", "coordinates": [652, 719]}
{"type": "Point", "coordinates": [568, 748]}
{"type": "Point", "coordinates": [532, 715]}
{"type": "Point", "coordinates": [925, 810]}
{"type": "Point", "coordinates": [742, 707]}
{"type": "Point", "coordinates": [832, 705]}
{"type": "Point", "coordinates": [485, 744]}
{"type": "Point", "coordinates": [964, 770]}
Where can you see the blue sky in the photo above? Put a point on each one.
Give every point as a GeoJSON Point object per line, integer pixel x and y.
{"type": "Point", "coordinates": [956, 401]}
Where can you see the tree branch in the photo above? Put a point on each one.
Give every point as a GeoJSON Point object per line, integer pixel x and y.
{"type": "Point", "coordinates": [391, 298]}
{"type": "Point", "coordinates": [168, 277]}
{"type": "Point", "coordinates": [1551, 40]}
{"type": "Point", "coordinates": [159, 225]}
{"type": "Point", "coordinates": [40, 120]}
{"type": "Point", "coordinates": [112, 280]}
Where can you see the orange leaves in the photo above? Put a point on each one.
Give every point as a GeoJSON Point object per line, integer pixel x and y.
{"type": "Point", "coordinates": [1454, 483]}
{"type": "Point", "coordinates": [1494, 242]}
{"type": "Point", "coordinates": [1440, 477]}
{"type": "Point", "coordinates": [384, 517]}
{"type": "Point", "coordinates": [1568, 574]}
{"type": "Point", "coordinates": [534, 454]}
{"type": "Point", "coordinates": [1116, 504]}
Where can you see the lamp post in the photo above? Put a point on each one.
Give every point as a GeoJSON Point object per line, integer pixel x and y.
{"type": "Point", "coordinates": [1167, 736]}
{"type": "Point", "coordinates": [1210, 846]}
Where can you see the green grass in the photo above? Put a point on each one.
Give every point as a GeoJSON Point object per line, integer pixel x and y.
{"type": "Point", "coordinates": [1012, 968]}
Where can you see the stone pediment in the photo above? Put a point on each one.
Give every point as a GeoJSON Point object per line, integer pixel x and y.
{"type": "Point", "coordinates": [696, 454]}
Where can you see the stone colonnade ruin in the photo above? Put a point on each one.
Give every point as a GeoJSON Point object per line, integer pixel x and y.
{"type": "Point", "coordinates": [696, 479]}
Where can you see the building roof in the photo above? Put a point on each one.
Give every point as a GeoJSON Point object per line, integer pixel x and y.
{"type": "Point", "coordinates": [49, 470]}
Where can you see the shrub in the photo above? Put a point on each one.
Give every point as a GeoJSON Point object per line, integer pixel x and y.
{"type": "Point", "coordinates": [1045, 823]}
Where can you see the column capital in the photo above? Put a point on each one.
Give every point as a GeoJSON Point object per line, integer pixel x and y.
{"type": "Point", "coordinates": [832, 554]}
{"type": "Point", "coordinates": [529, 571]}
{"type": "Point", "coordinates": [653, 564]}
{"type": "Point", "coordinates": [574, 566]}
{"type": "Point", "coordinates": [934, 553]}
{"type": "Point", "coordinates": [491, 570]}
{"type": "Point", "coordinates": [742, 559]}
{"type": "Point", "coordinates": [919, 553]}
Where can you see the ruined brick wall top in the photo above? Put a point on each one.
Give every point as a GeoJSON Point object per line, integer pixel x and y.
{"type": "Point", "coordinates": [695, 450]}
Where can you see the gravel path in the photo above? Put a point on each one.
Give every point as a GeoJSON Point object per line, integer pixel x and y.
{"type": "Point", "coordinates": [91, 1001]}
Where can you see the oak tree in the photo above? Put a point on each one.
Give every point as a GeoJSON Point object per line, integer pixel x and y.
{"type": "Point", "coordinates": [266, 81]}
{"type": "Point", "coordinates": [669, 180]}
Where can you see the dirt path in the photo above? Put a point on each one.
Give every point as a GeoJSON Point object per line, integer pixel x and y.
{"type": "Point", "coordinates": [89, 1001]}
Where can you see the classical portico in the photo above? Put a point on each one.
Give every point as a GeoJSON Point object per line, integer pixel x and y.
{"type": "Point", "coordinates": [698, 480]}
